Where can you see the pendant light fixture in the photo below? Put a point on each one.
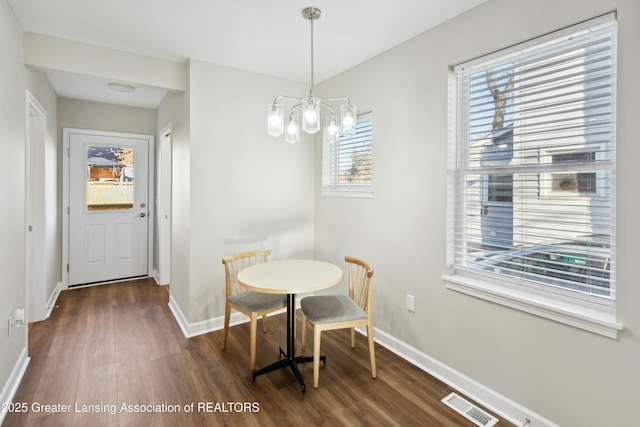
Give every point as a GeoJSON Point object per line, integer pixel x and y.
{"type": "Point", "coordinates": [335, 125]}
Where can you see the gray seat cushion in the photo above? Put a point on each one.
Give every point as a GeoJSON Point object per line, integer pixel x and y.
{"type": "Point", "coordinates": [331, 309]}
{"type": "Point", "coordinates": [258, 301]}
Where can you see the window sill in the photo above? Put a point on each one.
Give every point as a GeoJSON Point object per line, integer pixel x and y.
{"type": "Point", "coordinates": [347, 192]}
{"type": "Point", "coordinates": [589, 319]}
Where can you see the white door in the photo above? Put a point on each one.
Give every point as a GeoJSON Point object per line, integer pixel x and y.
{"type": "Point", "coordinates": [108, 208]}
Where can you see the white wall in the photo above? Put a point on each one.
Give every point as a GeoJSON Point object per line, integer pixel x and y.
{"type": "Point", "coordinates": [15, 81]}
{"type": "Point", "coordinates": [245, 190]}
{"type": "Point", "coordinates": [76, 113]}
{"type": "Point", "coordinates": [564, 374]}
{"type": "Point", "coordinates": [174, 109]}
{"type": "Point", "coordinates": [12, 209]}
{"type": "Point", "coordinates": [52, 53]}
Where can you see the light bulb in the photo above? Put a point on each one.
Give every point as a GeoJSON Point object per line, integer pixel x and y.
{"type": "Point", "coordinates": [348, 114]}
{"type": "Point", "coordinates": [292, 128]}
{"type": "Point", "coordinates": [331, 129]}
{"type": "Point", "coordinates": [275, 120]}
{"type": "Point", "coordinates": [310, 116]}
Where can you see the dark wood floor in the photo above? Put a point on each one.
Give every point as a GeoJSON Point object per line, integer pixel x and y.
{"type": "Point", "coordinates": [109, 345]}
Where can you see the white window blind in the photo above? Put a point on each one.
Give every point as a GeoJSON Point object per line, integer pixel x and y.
{"type": "Point", "coordinates": [347, 164]}
{"type": "Point", "coordinates": [535, 164]}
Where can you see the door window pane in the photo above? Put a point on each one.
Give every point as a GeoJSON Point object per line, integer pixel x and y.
{"type": "Point", "coordinates": [110, 178]}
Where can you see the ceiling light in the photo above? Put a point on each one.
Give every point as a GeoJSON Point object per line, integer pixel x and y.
{"type": "Point", "coordinates": [310, 108]}
{"type": "Point", "coordinates": [119, 87]}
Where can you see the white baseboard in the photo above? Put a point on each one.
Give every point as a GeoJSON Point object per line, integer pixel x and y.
{"type": "Point", "coordinates": [156, 278]}
{"type": "Point", "coordinates": [199, 328]}
{"type": "Point", "coordinates": [12, 384]}
{"type": "Point", "coordinates": [490, 399]}
{"type": "Point", "coordinates": [204, 327]}
{"type": "Point", "coordinates": [53, 298]}
{"type": "Point", "coordinates": [179, 316]}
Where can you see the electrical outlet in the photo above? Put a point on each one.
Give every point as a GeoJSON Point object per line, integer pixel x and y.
{"type": "Point", "coordinates": [18, 317]}
{"type": "Point", "coordinates": [411, 303]}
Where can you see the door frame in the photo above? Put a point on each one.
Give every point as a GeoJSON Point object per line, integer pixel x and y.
{"type": "Point", "coordinates": [163, 205]}
{"type": "Point", "coordinates": [66, 137]}
{"type": "Point", "coordinates": [35, 199]}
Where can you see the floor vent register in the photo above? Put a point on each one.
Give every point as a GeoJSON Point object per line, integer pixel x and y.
{"type": "Point", "coordinates": [469, 410]}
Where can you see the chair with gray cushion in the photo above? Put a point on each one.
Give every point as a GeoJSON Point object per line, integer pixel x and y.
{"type": "Point", "coordinates": [252, 304]}
{"type": "Point", "coordinates": [327, 312]}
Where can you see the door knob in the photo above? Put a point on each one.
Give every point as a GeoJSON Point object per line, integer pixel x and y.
{"type": "Point", "coordinates": [142, 215]}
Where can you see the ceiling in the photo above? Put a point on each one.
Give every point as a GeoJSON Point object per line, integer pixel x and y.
{"type": "Point", "coordinates": [267, 37]}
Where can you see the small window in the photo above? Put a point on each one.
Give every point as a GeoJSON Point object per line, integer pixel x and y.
{"type": "Point", "coordinates": [574, 182]}
{"type": "Point", "coordinates": [347, 164]}
{"type": "Point", "coordinates": [500, 188]}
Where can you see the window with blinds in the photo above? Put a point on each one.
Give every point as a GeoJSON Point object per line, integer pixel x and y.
{"type": "Point", "coordinates": [535, 164]}
{"type": "Point", "coordinates": [347, 164]}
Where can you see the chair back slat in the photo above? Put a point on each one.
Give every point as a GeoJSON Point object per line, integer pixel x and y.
{"type": "Point", "coordinates": [235, 263]}
{"type": "Point", "coordinates": [360, 276]}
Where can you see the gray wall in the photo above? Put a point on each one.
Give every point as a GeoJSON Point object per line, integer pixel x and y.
{"type": "Point", "coordinates": [75, 113]}
{"type": "Point", "coordinates": [174, 109]}
{"type": "Point", "coordinates": [12, 210]}
{"type": "Point", "coordinates": [14, 82]}
{"type": "Point", "coordinates": [235, 188]}
{"type": "Point", "coordinates": [564, 374]}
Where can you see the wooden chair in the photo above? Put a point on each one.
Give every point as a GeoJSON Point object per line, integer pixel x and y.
{"type": "Point", "coordinates": [252, 304]}
{"type": "Point", "coordinates": [327, 312]}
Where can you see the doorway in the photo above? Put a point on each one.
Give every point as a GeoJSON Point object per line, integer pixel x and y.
{"type": "Point", "coordinates": [38, 199]}
{"type": "Point", "coordinates": [107, 188]}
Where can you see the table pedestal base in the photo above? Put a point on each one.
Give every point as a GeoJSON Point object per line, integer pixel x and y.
{"type": "Point", "coordinates": [290, 359]}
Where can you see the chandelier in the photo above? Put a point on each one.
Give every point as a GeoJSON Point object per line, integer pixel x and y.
{"type": "Point", "coordinates": [309, 108]}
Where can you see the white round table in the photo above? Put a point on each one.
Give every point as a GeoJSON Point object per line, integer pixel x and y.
{"type": "Point", "coordinates": [291, 277]}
